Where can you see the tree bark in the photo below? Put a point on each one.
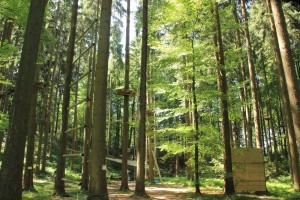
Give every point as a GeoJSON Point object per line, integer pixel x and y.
{"type": "Point", "coordinates": [7, 31]}
{"type": "Point", "coordinates": [270, 122]}
{"type": "Point", "coordinates": [28, 171]}
{"type": "Point", "coordinates": [60, 168]}
{"type": "Point", "coordinates": [244, 90]}
{"type": "Point", "coordinates": [252, 77]}
{"type": "Point", "coordinates": [125, 137]}
{"type": "Point", "coordinates": [196, 126]}
{"type": "Point", "coordinates": [12, 164]}
{"type": "Point", "coordinates": [288, 65]}
{"type": "Point", "coordinates": [225, 124]}
{"type": "Point", "coordinates": [98, 184]}
{"type": "Point", "coordinates": [39, 150]}
{"type": "Point", "coordinates": [141, 151]}
{"type": "Point", "coordinates": [46, 122]}
{"type": "Point", "coordinates": [286, 105]}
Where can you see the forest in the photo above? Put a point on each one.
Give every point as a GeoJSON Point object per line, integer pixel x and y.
{"type": "Point", "coordinates": [149, 99]}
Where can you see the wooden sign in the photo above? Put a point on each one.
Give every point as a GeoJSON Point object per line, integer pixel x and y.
{"type": "Point", "coordinates": [248, 170]}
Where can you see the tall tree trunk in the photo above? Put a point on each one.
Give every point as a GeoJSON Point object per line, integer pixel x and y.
{"type": "Point", "coordinates": [196, 125]}
{"type": "Point", "coordinates": [244, 90]}
{"type": "Point", "coordinates": [271, 122]}
{"type": "Point", "coordinates": [46, 118]}
{"type": "Point", "coordinates": [39, 150]}
{"type": "Point", "coordinates": [52, 95]}
{"type": "Point", "coordinates": [7, 31]}
{"type": "Point", "coordinates": [60, 168]}
{"type": "Point", "coordinates": [288, 65]}
{"type": "Point", "coordinates": [141, 151]}
{"type": "Point", "coordinates": [28, 171]}
{"type": "Point", "coordinates": [222, 86]}
{"type": "Point", "coordinates": [124, 182]}
{"type": "Point", "coordinates": [252, 77]}
{"type": "Point", "coordinates": [88, 122]}
{"type": "Point", "coordinates": [98, 184]}
{"type": "Point", "coordinates": [110, 118]}
{"type": "Point", "coordinates": [75, 118]}
{"type": "Point", "coordinates": [286, 104]}
{"type": "Point", "coordinates": [116, 147]}
{"type": "Point", "coordinates": [12, 163]}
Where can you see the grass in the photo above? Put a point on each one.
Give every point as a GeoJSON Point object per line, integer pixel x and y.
{"type": "Point", "coordinates": [280, 188]}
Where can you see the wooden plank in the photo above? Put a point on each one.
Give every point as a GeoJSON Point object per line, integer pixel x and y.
{"type": "Point", "coordinates": [129, 162]}
{"type": "Point", "coordinates": [248, 170]}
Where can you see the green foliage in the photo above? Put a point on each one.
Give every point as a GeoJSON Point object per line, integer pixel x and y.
{"type": "Point", "coordinates": [16, 10]}
{"type": "Point", "coordinates": [3, 122]}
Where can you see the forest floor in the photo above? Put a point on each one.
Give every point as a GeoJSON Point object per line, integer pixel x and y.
{"type": "Point", "coordinates": [165, 191]}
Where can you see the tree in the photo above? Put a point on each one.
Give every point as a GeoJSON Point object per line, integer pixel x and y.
{"type": "Point", "coordinates": [60, 168]}
{"type": "Point", "coordinates": [252, 74]}
{"type": "Point", "coordinates": [196, 127]}
{"type": "Point", "coordinates": [124, 182]}
{"type": "Point", "coordinates": [294, 156]}
{"type": "Point", "coordinates": [222, 87]}
{"type": "Point", "coordinates": [141, 151]}
{"type": "Point", "coordinates": [288, 65]}
{"type": "Point", "coordinates": [12, 165]}
{"type": "Point", "coordinates": [98, 184]}
{"type": "Point", "coordinates": [28, 171]}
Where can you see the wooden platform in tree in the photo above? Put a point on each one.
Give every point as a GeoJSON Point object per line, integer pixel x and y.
{"type": "Point", "coordinates": [248, 170]}
{"type": "Point", "coordinates": [124, 92]}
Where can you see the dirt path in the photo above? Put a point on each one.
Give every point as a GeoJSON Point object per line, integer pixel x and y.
{"type": "Point", "coordinates": [158, 191]}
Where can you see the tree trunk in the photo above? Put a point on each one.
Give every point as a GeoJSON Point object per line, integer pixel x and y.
{"type": "Point", "coordinates": [75, 118]}
{"type": "Point", "coordinates": [46, 123]}
{"type": "Point", "coordinates": [244, 90]}
{"type": "Point", "coordinates": [28, 171]}
{"type": "Point", "coordinates": [88, 124]}
{"type": "Point", "coordinates": [141, 151]}
{"type": "Point", "coordinates": [110, 118]}
{"type": "Point", "coordinates": [124, 182]}
{"type": "Point", "coordinates": [252, 77]}
{"type": "Point", "coordinates": [60, 168]}
{"type": "Point", "coordinates": [196, 126]}
{"type": "Point", "coordinates": [285, 99]}
{"type": "Point", "coordinates": [12, 163]}
{"type": "Point", "coordinates": [116, 147]}
{"type": "Point", "coordinates": [7, 31]}
{"type": "Point", "coordinates": [98, 184]}
{"type": "Point", "coordinates": [222, 86]}
{"type": "Point", "coordinates": [39, 150]}
{"type": "Point", "coordinates": [270, 122]}
{"type": "Point", "coordinates": [288, 65]}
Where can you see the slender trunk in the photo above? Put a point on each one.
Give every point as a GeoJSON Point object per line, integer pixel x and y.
{"type": "Point", "coordinates": [60, 168]}
{"type": "Point", "coordinates": [45, 130]}
{"type": "Point", "coordinates": [98, 184]}
{"type": "Point", "coordinates": [12, 163]}
{"type": "Point", "coordinates": [28, 171]}
{"type": "Point", "coordinates": [75, 118]}
{"type": "Point", "coordinates": [39, 150]}
{"type": "Point", "coordinates": [116, 147]}
{"type": "Point", "coordinates": [88, 124]}
{"type": "Point", "coordinates": [7, 31]}
{"type": "Point", "coordinates": [177, 167]}
{"type": "Point", "coordinates": [110, 118]}
{"type": "Point", "coordinates": [244, 93]}
{"type": "Point", "coordinates": [222, 86]}
{"type": "Point", "coordinates": [270, 121]}
{"type": "Point", "coordinates": [252, 77]}
{"type": "Point", "coordinates": [141, 151]}
{"type": "Point", "coordinates": [196, 126]}
{"type": "Point", "coordinates": [124, 182]}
